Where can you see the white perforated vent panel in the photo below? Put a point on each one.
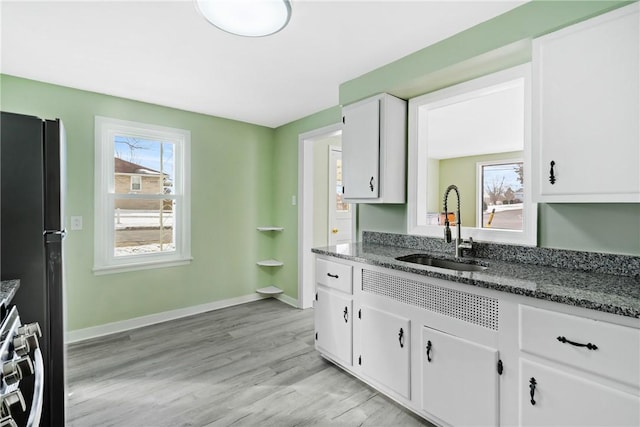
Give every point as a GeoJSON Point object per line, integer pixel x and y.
{"type": "Point", "coordinates": [476, 309]}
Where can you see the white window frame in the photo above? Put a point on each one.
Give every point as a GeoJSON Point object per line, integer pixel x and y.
{"type": "Point", "coordinates": [105, 261]}
{"type": "Point", "coordinates": [417, 187]}
{"type": "Point", "coordinates": [480, 189]}
{"type": "Point", "coordinates": [139, 183]}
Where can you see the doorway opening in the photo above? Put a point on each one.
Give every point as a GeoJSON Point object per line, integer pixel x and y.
{"type": "Point", "coordinates": [314, 193]}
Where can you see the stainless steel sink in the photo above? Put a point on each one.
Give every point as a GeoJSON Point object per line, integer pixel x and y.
{"type": "Point", "coordinates": [423, 259]}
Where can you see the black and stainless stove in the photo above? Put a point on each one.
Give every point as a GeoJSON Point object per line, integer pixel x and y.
{"type": "Point", "coordinates": [22, 372]}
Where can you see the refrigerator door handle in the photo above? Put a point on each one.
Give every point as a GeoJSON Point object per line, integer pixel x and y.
{"type": "Point", "coordinates": [54, 235]}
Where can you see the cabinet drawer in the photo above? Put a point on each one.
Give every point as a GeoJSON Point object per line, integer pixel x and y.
{"type": "Point", "coordinates": [334, 275]}
{"type": "Point", "coordinates": [617, 356]}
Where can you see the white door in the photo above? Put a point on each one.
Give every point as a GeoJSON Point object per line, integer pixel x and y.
{"type": "Point", "coordinates": [340, 213]}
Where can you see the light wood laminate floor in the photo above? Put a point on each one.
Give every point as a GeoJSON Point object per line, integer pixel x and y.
{"type": "Point", "coordinates": [248, 365]}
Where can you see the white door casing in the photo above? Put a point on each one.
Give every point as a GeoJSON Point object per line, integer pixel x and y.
{"type": "Point", "coordinates": [306, 273]}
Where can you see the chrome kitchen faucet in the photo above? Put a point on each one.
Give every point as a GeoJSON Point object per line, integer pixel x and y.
{"type": "Point", "coordinates": [459, 243]}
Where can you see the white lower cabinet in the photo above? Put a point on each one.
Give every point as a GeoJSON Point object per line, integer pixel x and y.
{"type": "Point", "coordinates": [460, 380]}
{"type": "Point", "coordinates": [334, 325]}
{"type": "Point", "coordinates": [580, 367]}
{"type": "Point", "coordinates": [385, 349]}
{"type": "Point", "coordinates": [553, 397]}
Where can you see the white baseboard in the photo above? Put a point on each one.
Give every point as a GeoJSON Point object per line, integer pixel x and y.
{"type": "Point", "coordinates": [137, 322]}
{"type": "Point", "coordinates": [288, 300]}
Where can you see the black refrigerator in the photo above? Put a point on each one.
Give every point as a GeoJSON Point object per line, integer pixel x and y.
{"type": "Point", "coordinates": [32, 170]}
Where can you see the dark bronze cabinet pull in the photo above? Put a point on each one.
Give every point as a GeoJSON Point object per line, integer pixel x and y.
{"type": "Point", "coordinates": [371, 184]}
{"type": "Point", "coordinates": [552, 176]}
{"type": "Point", "coordinates": [428, 351]}
{"type": "Point", "coordinates": [532, 389]}
{"type": "Point", "coordinates": [401, 338]}
{"type": "Point", "coordinates": [335, 276]}
{"type": "Point", "coordinates": [346, 315]}
{"type": "Point", "coordinates": [577, 344]}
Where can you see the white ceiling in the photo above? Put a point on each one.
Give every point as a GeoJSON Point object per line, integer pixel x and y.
{"type": "Point", "coordinates": [164, 52]}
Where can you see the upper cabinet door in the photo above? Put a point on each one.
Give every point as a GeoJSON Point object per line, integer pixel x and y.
{"type": "Point", "coordinates": [586, 89]}
{"type": "Point", "coordinates": [361, 150]}
{"type": "Point", "coordinates": [374, 141]}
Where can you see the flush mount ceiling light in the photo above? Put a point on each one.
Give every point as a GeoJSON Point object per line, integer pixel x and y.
{"type": "Point", "coordinates": [250, 18]}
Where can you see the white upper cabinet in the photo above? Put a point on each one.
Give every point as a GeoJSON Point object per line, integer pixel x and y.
{"type": "Point", "coordinates": [586, 90]}
{"type": "Point", "coordinates": [374, 138]}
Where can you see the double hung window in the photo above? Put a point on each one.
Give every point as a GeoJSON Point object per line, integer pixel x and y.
{"type": "Point", "coordinates": [142, 203]}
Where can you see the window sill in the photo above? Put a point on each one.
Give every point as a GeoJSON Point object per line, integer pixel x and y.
{"type": "Point", "coordinates": [148, 265]}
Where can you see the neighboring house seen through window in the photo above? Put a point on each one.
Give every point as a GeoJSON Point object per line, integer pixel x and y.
{"type": "Point", "coordinates": [142, 194]}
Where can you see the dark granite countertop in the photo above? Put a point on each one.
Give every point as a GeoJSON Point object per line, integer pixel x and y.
{"type": "Point", "coordinates": [8, 290]}
{"type": "Point", "coordinates": [617, 294]}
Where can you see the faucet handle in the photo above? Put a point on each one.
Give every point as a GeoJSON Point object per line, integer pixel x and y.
{"type": "Point", "coordinates": [466, 245]}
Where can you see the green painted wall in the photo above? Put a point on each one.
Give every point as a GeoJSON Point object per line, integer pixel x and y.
{"type": "Point", "coordinates": [232, 184]}
{"type": "Point", "coordinates": [604, 227]}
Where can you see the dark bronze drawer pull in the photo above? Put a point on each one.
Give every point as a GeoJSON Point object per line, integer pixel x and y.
{"type": "Point", "coordinates": [577, 344]}
{"type": "Point", "coordinates": [335, 276]}
{"type": "Point", "coordinates": [532, 389]}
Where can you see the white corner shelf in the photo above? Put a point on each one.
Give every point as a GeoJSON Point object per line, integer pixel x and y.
{"type": "Point", "coordinates": [269, 291]}
{"type": "Point", "coordinates": [270, 228]}
{"type": "Point", "coordinates": [272, 290]}
{"type": "Point", "coordinates": [270, 263]}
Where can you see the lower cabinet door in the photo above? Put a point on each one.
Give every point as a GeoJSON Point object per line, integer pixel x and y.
{"type": "Point", "coordinates": [385, 345]}
{"type": "Point", "coordinates": [334, 325]}
{"type": "Point", "coordinates": [459, 380]}
{"type": "Point", "coordinates": [550, 397]}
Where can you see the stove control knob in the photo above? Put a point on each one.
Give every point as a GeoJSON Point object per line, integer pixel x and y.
{"type": "Point", "coordinates": [33, 341]}
{"type": "Point", "coordinates": [21, 345]}
{"type": "Point", "coordinates": [26, 366]}
{"type": "Point", "coordinates": [30, 329]}
{"type": "Point", "coordinates": [10, 400]}
{"type": "Point", "coordinates": [11, 372]}
{"type": "Point", "coordinates": [14, 370]}
{"type": "Point", "coordinates": [8, 422]}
